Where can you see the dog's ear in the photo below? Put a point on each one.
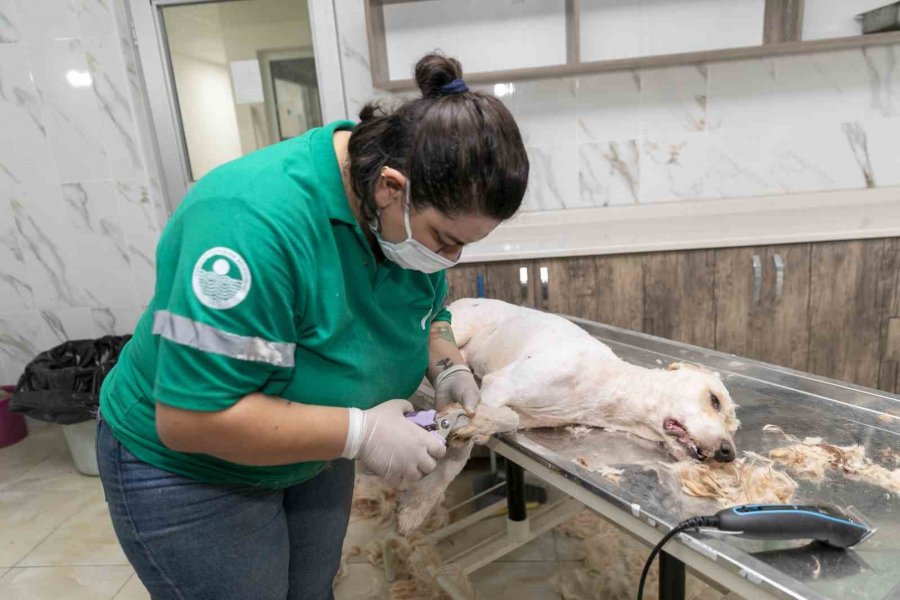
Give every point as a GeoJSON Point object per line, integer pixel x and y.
{"type": "Point", "coordinates": [700, 368]}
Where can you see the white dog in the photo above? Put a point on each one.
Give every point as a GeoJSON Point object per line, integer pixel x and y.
{"type": "Point", "coordinates": [552, 373]}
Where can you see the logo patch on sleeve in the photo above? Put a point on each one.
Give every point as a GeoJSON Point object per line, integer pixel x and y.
{"type": "Point", "coordinates": [221, 278]}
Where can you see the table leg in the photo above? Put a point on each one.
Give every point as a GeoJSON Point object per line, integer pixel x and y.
{"type": "Point", "coordinates": [671, 577]}
{"type": "Point", "coordinates": [515, 492]}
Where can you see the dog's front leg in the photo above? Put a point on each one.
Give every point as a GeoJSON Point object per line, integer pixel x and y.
{"type": "Point", "coordinates": [423, 496]}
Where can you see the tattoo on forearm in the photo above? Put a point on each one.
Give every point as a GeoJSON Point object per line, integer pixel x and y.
{"type": "Point", "coordinates": [444, 332]}
{"type": "Point", "coordinates": [444, 364]}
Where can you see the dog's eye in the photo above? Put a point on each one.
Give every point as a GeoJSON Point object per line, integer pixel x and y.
{"type": "Point", "coordinates": [715, 401]}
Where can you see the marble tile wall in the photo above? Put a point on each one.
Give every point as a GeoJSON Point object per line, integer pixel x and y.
{"type": "Point", "coordinates": [781, 125]}
{"type": "Point", "coordinates": [80, 202]}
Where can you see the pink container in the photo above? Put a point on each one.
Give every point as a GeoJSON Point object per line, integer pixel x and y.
{"type": "Point", "coordinates": [12, 425]}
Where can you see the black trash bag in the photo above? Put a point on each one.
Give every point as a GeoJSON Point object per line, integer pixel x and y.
{"type": "Point", "coordinates": [62, 385]}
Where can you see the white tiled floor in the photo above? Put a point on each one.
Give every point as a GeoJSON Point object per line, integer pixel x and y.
{"type": "Point", "coordinates": [86, 539]}
{"type": "Point", "coordinates": [519, 581]}
{"type": "Point", "coordinates": [133, 590]}
{"type": "Point", "coordinates": [56, 539]}
{"type": "Point", "coordinates": [73, 583]}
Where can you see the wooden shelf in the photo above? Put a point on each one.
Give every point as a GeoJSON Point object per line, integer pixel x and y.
{"type": "Point", "coordinates": [778, 12]}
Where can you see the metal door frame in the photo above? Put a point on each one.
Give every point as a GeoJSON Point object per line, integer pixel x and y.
{"type": "Point", "coordinates": [155, 70]}
{"type": "Point", "coordinates": [271, 109]}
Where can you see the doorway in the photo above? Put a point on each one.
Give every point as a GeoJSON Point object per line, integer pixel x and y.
{"type": "Point", "coordinates": [225, 78]}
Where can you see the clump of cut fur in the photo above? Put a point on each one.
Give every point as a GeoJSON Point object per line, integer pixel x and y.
{"type": "Point", "coordinates": [748, 480]}
{"type": "Point", "coordinates": [610, 564]}
{"type": "Point", "coordinates": [812, 458]}
{"type": "Point", "coordinates": [417, 563]}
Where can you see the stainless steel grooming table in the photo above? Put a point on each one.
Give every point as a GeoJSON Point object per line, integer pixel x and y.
{"type": "Point", "coordinates": [646, 506]}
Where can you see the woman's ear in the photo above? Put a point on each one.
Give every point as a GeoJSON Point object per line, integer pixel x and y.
{"type": "Point", "coordinates": [390, 188]}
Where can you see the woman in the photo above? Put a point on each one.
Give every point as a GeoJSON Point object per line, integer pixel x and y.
{"type": "Point", "coordinates": [299, 292]}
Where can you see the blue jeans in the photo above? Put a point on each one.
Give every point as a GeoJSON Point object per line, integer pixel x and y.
{"type": "Point", "coordinates": [189, 540]}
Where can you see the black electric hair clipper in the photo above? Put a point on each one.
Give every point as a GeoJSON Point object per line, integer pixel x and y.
{"type": "Point", "coordinates": [827, 524]}
{"type": "Point", "coordinates": [824, 523]}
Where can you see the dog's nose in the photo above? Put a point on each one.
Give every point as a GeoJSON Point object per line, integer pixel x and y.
{"type": "Point", "coordinates": [725, 453]}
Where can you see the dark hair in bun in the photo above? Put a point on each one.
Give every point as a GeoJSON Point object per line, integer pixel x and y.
{"type": "Point", "coordinates": [461, 150]}
{"type": "Point", "coordinates": [434, 71]}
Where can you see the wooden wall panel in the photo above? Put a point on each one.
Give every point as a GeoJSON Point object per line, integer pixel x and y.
{"type": "Point", "coordinates": [889, 371]}
{"type": "Point", "coordinates": [679, 296]}
{"type": "Point", "coordinates": [461, 281]}
{"type": "Point", "coordinates": [889, 377]}
{"type": "Point", "coordinates": [774, 328]}
{"type": "Point", "coordinates": [501, 281]}
{"type": "Point", "coordinates": [849, 290]}
{"type": "Point", "coordinates": [607, 289]}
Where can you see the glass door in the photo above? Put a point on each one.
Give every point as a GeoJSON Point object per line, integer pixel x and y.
{"type": "Point", "coordinates": [228, 77]}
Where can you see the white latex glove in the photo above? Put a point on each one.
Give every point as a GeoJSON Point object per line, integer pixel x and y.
{"type": "Point", "coordinates": [456, 384]}
{"type": "Point", "coordinates": [390, 445]}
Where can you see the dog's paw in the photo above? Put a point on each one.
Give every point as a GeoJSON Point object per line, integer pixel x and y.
{"type": "Point", "coordinates": [487, 421]}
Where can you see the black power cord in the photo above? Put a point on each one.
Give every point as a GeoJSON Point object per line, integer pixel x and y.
{"type": "Point", "coordinates": [692, 523]}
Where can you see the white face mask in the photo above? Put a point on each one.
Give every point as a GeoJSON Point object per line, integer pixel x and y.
{"type": "Point", "coordinates": [410, 253]}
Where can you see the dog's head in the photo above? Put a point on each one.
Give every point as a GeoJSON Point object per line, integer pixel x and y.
{"type": "Point", "coordinates": [699, 420]}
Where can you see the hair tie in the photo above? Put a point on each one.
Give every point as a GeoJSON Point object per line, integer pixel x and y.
{"type": "Point", "coordinates": [457, 86]}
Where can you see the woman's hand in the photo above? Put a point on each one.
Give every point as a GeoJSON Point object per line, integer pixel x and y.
{"type": "Point", "coordinates": [456, 384]}
{"type": "Point", "coordinates": [447, 371]}
{"type": "Point", "coordinates": [261, 431]}
{"type": "Point", "coordinates": [390, 445]}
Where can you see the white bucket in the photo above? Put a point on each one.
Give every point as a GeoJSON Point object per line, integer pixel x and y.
{"type": "Point", "coordinates": [82, 441]}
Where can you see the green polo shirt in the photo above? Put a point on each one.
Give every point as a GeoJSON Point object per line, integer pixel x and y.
{"type": "Point", "coordinates": [266, 283]}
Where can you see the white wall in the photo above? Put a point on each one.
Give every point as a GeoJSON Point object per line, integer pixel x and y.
{"type": "Point", "coordinates": [817, 122]}
{"type": "Point", "coordinates": [80, 204]}
{"type": "Point", "coordinates": [207, 107]}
